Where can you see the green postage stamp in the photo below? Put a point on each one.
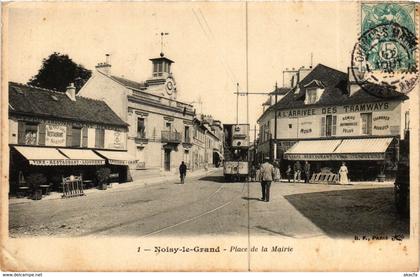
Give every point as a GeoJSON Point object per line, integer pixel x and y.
{"type": "Point", "coordinates": [386, 52]}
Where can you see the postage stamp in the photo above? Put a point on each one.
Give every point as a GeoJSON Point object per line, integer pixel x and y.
{"type": "Point", "coordinates": [386, 52]}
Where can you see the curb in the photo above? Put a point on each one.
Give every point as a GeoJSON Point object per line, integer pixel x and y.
{"type": "Point", "coordinates": [122, 186]}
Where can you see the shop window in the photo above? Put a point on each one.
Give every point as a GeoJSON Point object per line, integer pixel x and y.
{"type": "Point", "coordinates": [31, 133]}
{"type": "Point", "coordinates": [329, 126]}
{"type": "Point", "coordinates": [141, 128]}
{"type": "Point", "coordinates": [99, 138]}
{"type": "Point", "coordinates": [366, 123]}
{"type": "Point", "coordinates": [76, 136]}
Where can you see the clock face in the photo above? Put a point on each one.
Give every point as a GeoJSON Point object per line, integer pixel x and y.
{"type": "Point", "coordinates": [170, 86]}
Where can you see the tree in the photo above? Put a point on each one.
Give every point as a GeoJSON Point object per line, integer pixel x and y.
{"type": "Point", "coordinates": [58, 71]}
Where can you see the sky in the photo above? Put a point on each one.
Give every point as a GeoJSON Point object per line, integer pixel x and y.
{"type": "Point", "coordinates": [207, 41]}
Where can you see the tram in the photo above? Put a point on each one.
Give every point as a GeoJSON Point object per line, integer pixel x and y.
{"type": "Point", "coordinates": [236, 146]}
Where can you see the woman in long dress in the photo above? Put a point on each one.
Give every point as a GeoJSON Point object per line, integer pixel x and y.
{"type": "Point", "coordinates": [343, 174]}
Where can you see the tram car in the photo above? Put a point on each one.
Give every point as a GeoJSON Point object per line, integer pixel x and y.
{"type": "Point", "coordinates": [236, 146]}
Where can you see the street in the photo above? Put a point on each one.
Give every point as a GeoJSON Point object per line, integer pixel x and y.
{"type": "Point", "coordinates": [208, 206]}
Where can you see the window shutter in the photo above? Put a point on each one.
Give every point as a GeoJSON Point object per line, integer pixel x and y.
{"type": "Point", "coordinates": [97, 138]}
{"type": "Point", "coordinates": [21, 132]}
{"type": "Point", "coordinates": [68, 135]}
{"type": "Point", "coordinates": [334, 125]}
{"type": "Point", "coordinates": [84, 137]}
{"type": "Point", "coordinates": [41, 132]}
{"type": "Point", "coordinates": [323, 126]}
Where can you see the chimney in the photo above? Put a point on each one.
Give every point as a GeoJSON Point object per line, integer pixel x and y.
{"type": "Point", "coordinates": [71, 92]}
{"type": "Point", "coordinates": [352, 85]}
{"type": "Point", "coordinates": [105, 67]}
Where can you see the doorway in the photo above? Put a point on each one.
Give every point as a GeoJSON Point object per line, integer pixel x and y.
{"type": "Point", "coordinates": [167, 160]}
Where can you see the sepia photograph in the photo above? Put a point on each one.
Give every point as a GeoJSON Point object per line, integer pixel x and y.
{"type": "Point", "coordinates": [210, 136]}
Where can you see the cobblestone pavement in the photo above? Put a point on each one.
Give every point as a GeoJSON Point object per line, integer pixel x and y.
{"type": "Point", "coordinates": [207, 205]}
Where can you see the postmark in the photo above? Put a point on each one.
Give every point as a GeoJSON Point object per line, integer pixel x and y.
{"type": "Point", "coordinates": [386, 55]}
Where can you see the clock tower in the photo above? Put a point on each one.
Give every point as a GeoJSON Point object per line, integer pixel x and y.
{"type": "Point", "coordinates": [162, 82]}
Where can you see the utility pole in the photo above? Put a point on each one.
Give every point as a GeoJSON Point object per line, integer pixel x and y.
{"type": "Point", "coordinates": [237, 103]}
{"type": "Point", "coordinates": [161, 42]}
{"type": "Point", "coordinates": [275, 124]}
{"type": "Point", "coordinates": [247, 88]}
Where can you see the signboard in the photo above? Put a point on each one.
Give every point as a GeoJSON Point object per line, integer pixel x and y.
{"type": "Point", "coordinates": [335, 157]}
{"type": "Point", "coordinates": [55, 135]}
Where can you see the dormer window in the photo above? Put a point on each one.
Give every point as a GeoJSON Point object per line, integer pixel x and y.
{"type": "Point", "coordinates": [311, 95]}
{"type": "Point", "coordinates": [314, 90]}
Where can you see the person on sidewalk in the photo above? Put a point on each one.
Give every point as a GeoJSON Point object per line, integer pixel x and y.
{"type": "Point", "coordinates": [267, 176]}
{"type": "Point", "coordinates": [297, 170]}
{"type": "Point", "coordinates": [289, 173]}
{"type": "Point", "coordinates": [277, 173]}
{"type": "Point", "coordinates": [182, 171]}
{"type": "Point", "coordinates": [307, 171]}
{"type": "Point", "coordinates": [344, 180]}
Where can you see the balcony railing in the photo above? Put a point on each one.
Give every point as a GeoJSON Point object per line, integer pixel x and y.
{"type": "Point", "coordinates": [171, 137]}
{"type": "Point", "coordinates": [141, 137]}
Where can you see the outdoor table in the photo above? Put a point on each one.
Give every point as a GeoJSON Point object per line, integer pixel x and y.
{"type": "Point", "coordinates": [46, 187]}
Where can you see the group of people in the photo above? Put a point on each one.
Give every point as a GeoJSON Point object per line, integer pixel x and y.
{"type": "Point", "coordinates": [268, 173]}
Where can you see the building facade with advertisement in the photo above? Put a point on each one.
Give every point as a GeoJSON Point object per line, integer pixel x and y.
{"type": "Point", "coordinates": [160, 127]}
{"type": "Point", "coordinates": [327, 118]}
{"type": "Point", "coordinates": [64, 132]}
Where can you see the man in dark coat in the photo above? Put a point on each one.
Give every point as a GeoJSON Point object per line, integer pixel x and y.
{"type": "Point", "coordinates": [182, 171]}
{"type": "Point", "coordinates": [307, 170]}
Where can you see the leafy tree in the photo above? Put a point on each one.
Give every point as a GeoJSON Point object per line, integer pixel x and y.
{"type": "Point", "coordinates": [58, 71]}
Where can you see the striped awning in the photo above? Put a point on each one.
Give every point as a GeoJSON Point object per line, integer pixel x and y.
{"type": "Point", "coordinates": [43, 156]}
{"type": "Point", "coordinates": [82, 156]}
{"type": "Point", "coordinates": [339, 149]}
{"type": "Point", "coordinates": [118, 157]}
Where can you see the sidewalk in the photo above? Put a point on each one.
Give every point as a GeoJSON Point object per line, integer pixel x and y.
{"type": "Point", "coordinates": [153, 180]}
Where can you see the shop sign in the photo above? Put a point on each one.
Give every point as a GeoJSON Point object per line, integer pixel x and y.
{"type": "Point", "coordinates": [366, 107]}
{"type": "Point", "coordinates": [336, 156]}
{"type": "Point", "coordinates": [348, 123]}
{"type": "Point", "coordinates": [118, 140]}
{"type": "Point", "coordinates": [381, 122]}
{"type": "Point", "coordinates": [55, 135]}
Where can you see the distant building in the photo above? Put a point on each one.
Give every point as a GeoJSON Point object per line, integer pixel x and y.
{"type": "Point", "coordinates": [161, 128]}
{"type": "Point", "coordinates": [327, 118]}
{"type": "Point", "coordinates": [59, 134]}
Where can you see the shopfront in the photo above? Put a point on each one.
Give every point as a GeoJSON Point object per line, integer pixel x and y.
{"type": "Point", "coordinates": [69, 136]}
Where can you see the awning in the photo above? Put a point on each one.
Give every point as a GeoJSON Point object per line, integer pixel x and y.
{"type": "Point", "coordinates": [43, 156]}
{"type": "Point", "coordinates": [82, 156]}
{"type": "Point", "coordinates": [343, 149]}
{"type": "Point", "coordinates": [312, 150]}
{"type": "Point", "coordinates": [220, 154]}
{"type": "Point", "coordinates": [363, 149]}
{"type": "Point", "coordinates": [117, 157]}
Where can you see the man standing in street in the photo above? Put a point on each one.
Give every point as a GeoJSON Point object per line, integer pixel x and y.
{"type": "Point", "coordinates": [267, 175]}
{"type": "Point", "coordinates": [307, 170]}
{"type": "Point", "coordinates": [297, 170]}
{"type": "Point", "coordinates": [182, 171]}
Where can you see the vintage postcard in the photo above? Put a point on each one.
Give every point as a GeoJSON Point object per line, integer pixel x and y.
{"type": "Point", "coordinates": [210, 136]}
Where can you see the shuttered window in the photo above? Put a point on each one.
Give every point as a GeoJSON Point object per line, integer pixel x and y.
{"type": "Point", "coordinates": [366, 123]}
{"type": "Point", "coordinates": [84, 137]}
{"type": "Point", "coordinates": [76, 136]}
{"type": "Point", "coordinates": [28, 133]}
{"type": "Point", "coordinates": [41, 131]}
{"type": "Point", "coordinates": [99, 138]}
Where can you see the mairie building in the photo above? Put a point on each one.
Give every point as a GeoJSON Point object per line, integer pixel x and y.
{"type": "Point", "coordinates": [327, 118]}
{"type": "Point", "coordinates": [162, 130]}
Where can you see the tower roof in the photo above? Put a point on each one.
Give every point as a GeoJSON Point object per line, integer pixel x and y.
{"type": "Point", "coordinates": [162, 58]}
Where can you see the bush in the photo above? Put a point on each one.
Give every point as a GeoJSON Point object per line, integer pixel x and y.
{"type": "Point", "coordinates": [102, 176]}
{"type": "Point", "coordinates": [36, 179]}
